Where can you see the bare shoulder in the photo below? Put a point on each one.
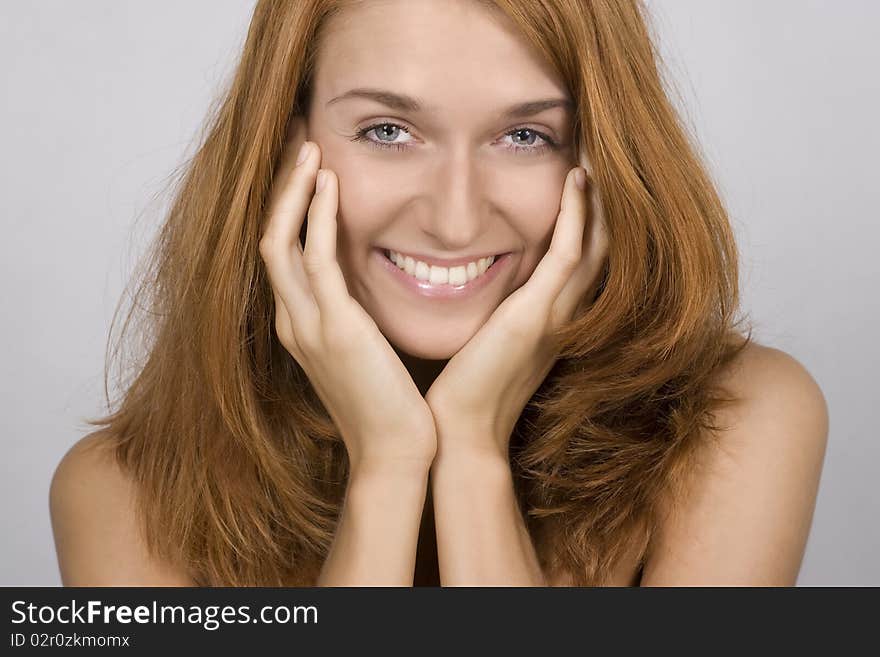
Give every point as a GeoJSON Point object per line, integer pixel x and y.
{"type": "Point", "coordinates": [759, 365]}
{"type": "Point", "coordinates": [782, 405]}
{"type": "Point", "coordinates": [747, 513]}
{"type": "Point", "coordinates": [97, 537]}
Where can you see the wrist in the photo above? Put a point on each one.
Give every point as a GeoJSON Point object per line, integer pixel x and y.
{"type": "Point", "coordinates": [466, 463]}
{"type": "Point", "coordinates": [467, 448]}
{"type": "Point", "coordinates": [386, 493]}
{"type": "Point", "coordinates": [387, 470]}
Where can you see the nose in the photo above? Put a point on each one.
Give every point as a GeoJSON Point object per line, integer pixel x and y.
{"type": "Point", "coordinates": [458, 210]}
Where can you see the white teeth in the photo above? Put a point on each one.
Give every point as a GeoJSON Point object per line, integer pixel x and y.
{"type": "Point", "coordinates": [458, 275]}
{"type": "Point", "coordinates": [439, 275]}
{"type": "Point", "coordinates": [435, 275]}
{"type": "Point", "coordinates": [419, 269]}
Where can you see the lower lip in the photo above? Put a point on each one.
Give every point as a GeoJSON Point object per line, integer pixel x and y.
{"type": "Point", "coordinates": [425, 289]}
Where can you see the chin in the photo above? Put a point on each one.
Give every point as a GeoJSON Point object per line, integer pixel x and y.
{"type": "Point", "coordinates": [426, 346]}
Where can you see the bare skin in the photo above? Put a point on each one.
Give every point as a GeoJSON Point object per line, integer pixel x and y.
{"type": "Point", "coordinates": [723, 533]}
{"type": "Point", "coordinates": [444, 483]}
{"type": "Point", "coordinates": [444, 191]}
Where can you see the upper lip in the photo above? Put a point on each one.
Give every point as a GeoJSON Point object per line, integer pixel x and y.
{"type": "Point", "coordinates": [445, 262]}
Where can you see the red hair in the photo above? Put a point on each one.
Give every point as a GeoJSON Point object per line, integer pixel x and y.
{"type": "Point", "coordinates": [239, 469]}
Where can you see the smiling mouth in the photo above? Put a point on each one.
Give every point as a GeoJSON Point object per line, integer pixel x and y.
{"type": "Point", "coordinates": [439, 275]}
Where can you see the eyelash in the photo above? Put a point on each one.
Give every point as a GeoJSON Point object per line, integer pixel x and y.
{"type": "Point", "coordinates": [361, 135]}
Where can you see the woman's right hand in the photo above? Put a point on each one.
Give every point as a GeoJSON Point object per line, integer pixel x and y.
{"type": "Point", "coordinates": [381, 415]}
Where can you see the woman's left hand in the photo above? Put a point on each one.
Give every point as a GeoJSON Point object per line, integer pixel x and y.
{"type": "Point", "coordinates": [478, 397]}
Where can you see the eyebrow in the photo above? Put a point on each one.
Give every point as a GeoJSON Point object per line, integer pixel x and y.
{"type": "Point", "coordinates": [404, 103]}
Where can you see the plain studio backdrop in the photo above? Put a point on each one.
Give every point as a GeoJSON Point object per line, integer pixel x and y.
{"type": "Point", "coordinates": [103, 99]}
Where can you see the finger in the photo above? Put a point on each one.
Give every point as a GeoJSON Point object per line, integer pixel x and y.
{"type": "Point", "coordinates": [584, 280]}
{"type": "Point", "coordinates": [566, 247]}
{"type": "Point", "coordinates": [287, 167]}
{"type": "Point", "coordinates": [320, 260]}
{"type": "Point", "coordinates": [280, 245]}
{"type": "Point", "coordinates": [283, 325]}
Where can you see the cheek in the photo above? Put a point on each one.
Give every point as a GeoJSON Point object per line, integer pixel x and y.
{"type": "Point", "coordinates": [366, 205]}
{"type": "Point", "coordinates": [535, 216]}
{"type": "Point", "coordinates": [374, 192]}
{"type": "Point", "coordinates": [365, 194]}
{"type": "Point", "coordinates": [534, 219]}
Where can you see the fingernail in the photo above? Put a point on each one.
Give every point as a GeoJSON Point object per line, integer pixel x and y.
{"type": "Point", "coordinates": [303, 153]}
{"type": "Point", "coordinates": [580, 178]}
{"type": "Point", "coordinates": [322, 180]}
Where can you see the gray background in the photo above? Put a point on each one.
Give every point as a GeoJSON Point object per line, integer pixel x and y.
{"type": "Point", "coordinates": [101, 100]}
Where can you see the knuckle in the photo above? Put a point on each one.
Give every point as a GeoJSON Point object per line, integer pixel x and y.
{"type": "Point", "coordinates": [295, 340]}
{"type": "Point", "coordinates": [267, 245]}
{"type": "Point", "coordinates": [313, 266]}
{"type": "Point", "coordinates": [568, 257]}
{"type": "Point", "coordinates": [301, 346]}
{"type": "Point", "coordinates": [284, 332]}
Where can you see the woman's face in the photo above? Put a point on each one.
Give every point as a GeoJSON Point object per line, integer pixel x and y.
{"type": "Point", "coordinates": [454, 180]}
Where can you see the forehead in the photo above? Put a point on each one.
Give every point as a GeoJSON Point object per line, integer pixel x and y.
{"type": "Point", "coordinates": [452, 53]}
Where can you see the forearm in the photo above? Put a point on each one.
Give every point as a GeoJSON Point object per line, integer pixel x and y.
{"type": "Point", "coordinates": [377, 534]}
{"type": "Point", "coordinates": [482, 539]}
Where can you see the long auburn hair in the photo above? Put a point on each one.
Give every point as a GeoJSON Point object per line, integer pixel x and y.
{"type": "Point", "coordinates": [240, 471]}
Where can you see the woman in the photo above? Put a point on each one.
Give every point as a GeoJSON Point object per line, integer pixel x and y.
{"type": "Point", "coordinates": [450, 358]}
